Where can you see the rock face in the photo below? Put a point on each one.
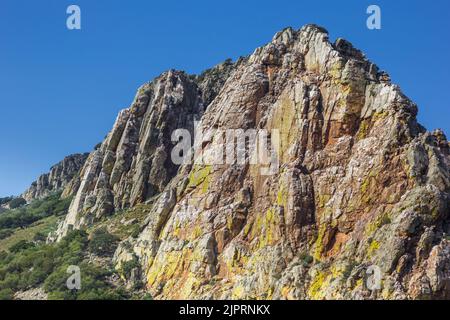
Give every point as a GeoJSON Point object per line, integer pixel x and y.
{"type": "Point", "coordinates": [134, 164]}
{"type": "Point", "coordinates": [360, 191]}
{"type": "Point", "coordinates": [31, 294]}
{"type": "Point", "coordinates": [59, 176]}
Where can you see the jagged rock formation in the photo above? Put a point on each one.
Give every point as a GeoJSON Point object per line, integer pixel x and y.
{"type": "Point", "coordinates": [60, 175]}
{"type": "Point", "coordinates": [133, 164]}
{"type": "Point", "coordinates": [360, 184]}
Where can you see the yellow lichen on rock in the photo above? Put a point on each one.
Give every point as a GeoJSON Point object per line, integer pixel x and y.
{"type": "Point", "coordinates": [373, 247]}
{"type": "Point", "coordinates": [364, 128]}
{"type": "Point", "coordinates": [283, 196]}
{"type": "Point", "coordinates": [200, 176]}
{"type": "Point", "coordinates": [265, 229]}
{"type": "Point", "coordinates": [319, 245]}
{"type": "Point", "coordinates": [315, 291]}
{"type": "Point", "coordinates": [285, 121]}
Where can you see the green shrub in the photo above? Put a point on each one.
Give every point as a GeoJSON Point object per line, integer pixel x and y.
{"type": "Point", "coordinates": [37, 210]}
{"type": "Point", "coordinates": [28, 265]}
{"type": "Point", "coordinates": [136, 231]}
{"type": "Point", "coordinates": [40, 237]}
{"type": "Point", "coordinates": [5, 233]}
{"type": "Point", "coordinates": [147, 296]}
{"type": "Point", "coordinates": [6, 294]}
{"type": "Point", "coordinates": [93, 285]}
{"type": "Point", "coordinates": [306, 259]}
{"type": "Point", "coordinates": [5, 200]}
{"type": "Point", "coordinates": [103, 243]}
{"type": "Point", "coordinates": [45, 265]}
{"type": "Point", "coordinates": [129, 265]}
{"type": "Point", "coordinates": [21, 245]}
{"type": "Point", "coordinates": [17, 202]}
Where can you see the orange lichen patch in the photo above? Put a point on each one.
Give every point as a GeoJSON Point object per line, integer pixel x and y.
{"type": "Point", "coordinates": [271, 71]}
{"type": "Point", "coordinates": [221, 237]}
{"type": "Point", "coordinates": [339, 128]}
{"type": "Point", "coordinates": [338, 241]}
{"type": "Point", "coordinates": [285, 292]}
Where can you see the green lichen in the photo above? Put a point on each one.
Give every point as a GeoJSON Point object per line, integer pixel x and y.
{"type": "Point", "coordinates": [198, 231]}
{"type": "Point", "coordinates": [176, 229]}
{"type": "Point", "coordinates": [247, 228]}
{"type": "Point", "coordinates": [365, 189]}
{"type": "Point", "coordinates": [238, 293]}
{"type": "Point", "coordinates": [375, 225]}
{"type": "Point", "coordinates": [315, 289]}
{"type": "Point", "coordinates": [282, 197]}
{"type": "Point", "coordinates": [380, 115]}
{"type": "Point", "coordinates": [336, 72]}
{"type": "Point", "coordinates": [265, 228]}
{"type": "Point", "coordinates": [323, 200]}
{"type": "Point", "coordinates": [200, 176]}
{"type": "Point", "coordinates": [363, 129]}
{"type": "Point", "coordinates": [365, 185]}
{"type": "Point", "coordinates": [319, 243]}
{"type": "Point", "coordinates": [435, 213]}
{"type": "Point", "coordinates": [284, 120]}
{"type": "Point", "coordinates": [373, 247]}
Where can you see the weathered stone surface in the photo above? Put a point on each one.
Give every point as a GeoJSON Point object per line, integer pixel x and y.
{"type": "Point", "coordinates": [360, 183]}
{"type": "Point", "coordinates": [31, 294]}
{"type": "Point", "coordinates": [57, 179]}
{"type": "Point", "coordinates": [133, 164]}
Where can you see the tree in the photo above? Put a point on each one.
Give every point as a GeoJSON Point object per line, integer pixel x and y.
{"type": "Point", "coordinates": [102, 243]}
{"type": "Point", "coordinates": [5, 200]}
{"type": "Point", "coordinates": [17, 202]}
{"type": "Point", "coordinates": [21, 245]}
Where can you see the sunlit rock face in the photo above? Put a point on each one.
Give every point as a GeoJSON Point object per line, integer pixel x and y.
{"type": "Point", "coordinates": [134, 163]}
{"type": "Point", "coordinates": [60, 175]}
{"type": "Point", "coordinates": [360, 187]}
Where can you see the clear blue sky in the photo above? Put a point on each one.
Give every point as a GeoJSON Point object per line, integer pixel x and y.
{"type": "Point", "coordinates": [60, 90]}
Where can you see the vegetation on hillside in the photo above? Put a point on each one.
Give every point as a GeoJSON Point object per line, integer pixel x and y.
{"type": "Point", "coordinates": [17, 203]}
{"type": "Point", "coordinates": [27, 261]}
{"type": "Point", "coordinates": [39, 209]}
{"type": "Point", "coordinates": [5, 200]}
{"type": "Point", "coordinates": [28, 265]}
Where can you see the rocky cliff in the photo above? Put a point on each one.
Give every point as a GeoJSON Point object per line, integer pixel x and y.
{"type": "Point", "coordinates": [57, 179]}
{"type": "Point", "coordinates": [359, 186]}
{"type": "Point", "coordinates": [133, 164]}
